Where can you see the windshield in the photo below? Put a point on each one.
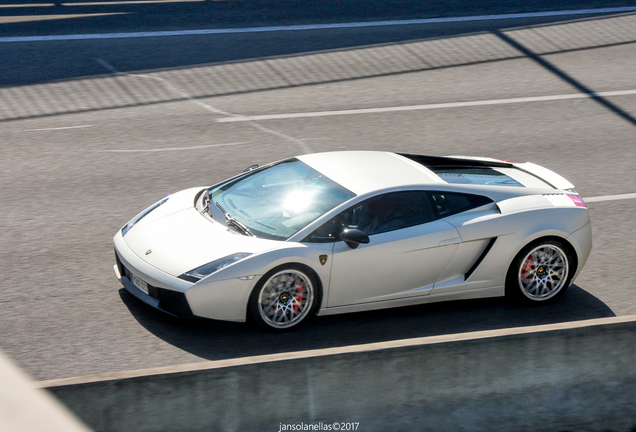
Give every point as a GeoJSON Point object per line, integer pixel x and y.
{"type": "Point", "coordinates": [278, 201]}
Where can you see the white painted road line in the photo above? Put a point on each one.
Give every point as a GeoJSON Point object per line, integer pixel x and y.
{"type": "Point", "coordinates": [57, 128]}
{"type": "Point", "coordinates": [27, 5]}
{"type": "Point", "coordinates": [425, 107]}
{"type": "Point", "coordinates": [301, 144]}
{"type": "Point", "coordinates": [578, 12]}
{"type": "Point", "coordinates": [172, 148]}
{"type": "Point", "coordinates": [128, 2]}
{"type": "Point", "coordinates": [610, 198]}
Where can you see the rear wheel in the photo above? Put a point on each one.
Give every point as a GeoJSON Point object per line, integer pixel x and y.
{"type": "Point", "coordinates": [284, 298]}
{"type": "Point", "coordinates": [541, 272]}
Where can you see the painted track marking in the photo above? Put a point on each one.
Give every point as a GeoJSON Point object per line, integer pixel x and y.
{"type": "Point", "coordinates": [57, 128]}
{"type": "Point", "coordinates": [26, 5]}
{"type": "Point", "coordinates": [426, 106]}
{"type": "Point", "coordinates": [129, 2]}
{"type": "Point", "coordinates": [610, 198]}
{"type": "Point", "coordinates": [305, 148]}
{"type": "Point", "coordinates": [199, 147]}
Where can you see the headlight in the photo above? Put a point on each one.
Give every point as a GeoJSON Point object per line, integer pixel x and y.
{"type": "Point", "coordinates": [214, 266]}
{"type": "Point", "coordinates": [140, 216]}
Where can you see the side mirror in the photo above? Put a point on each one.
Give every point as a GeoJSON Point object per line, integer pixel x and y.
{"type": "Point", "coordinates": [353, 237]}
{"type": "Point", "coordinates": [250, 168]}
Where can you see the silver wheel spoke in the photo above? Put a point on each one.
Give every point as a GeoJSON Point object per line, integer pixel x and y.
{"type": "Point", "coordinates": [285, 299]}
{"type": "Point", "coordinates": [543, 272]}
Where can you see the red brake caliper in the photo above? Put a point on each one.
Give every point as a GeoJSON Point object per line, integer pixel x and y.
{"type": "Point", "coordinates": [299, 298]}
{"type": "Point", "coordinates": [527, 266]}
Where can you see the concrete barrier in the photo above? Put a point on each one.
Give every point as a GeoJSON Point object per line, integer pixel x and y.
{"type": "Point", "coordinates": [558, 376]}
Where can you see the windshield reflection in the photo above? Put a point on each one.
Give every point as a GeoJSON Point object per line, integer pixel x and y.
{"type": "Point", "coordinates": [278, 201]}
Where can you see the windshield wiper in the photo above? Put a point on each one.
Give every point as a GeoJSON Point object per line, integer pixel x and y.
{"type": "Point", "coordinates": [230, 220]}
{"type": "Point", "coordinates": [206, 203]}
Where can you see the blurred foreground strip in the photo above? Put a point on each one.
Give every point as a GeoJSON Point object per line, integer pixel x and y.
{"type": "Point", "coordinates": [27, 409]}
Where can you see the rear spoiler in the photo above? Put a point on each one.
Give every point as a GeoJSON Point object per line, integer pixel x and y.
{"type": "Point", "coordinates": [548, 176]}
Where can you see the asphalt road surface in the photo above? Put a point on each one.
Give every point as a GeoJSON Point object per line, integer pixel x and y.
{"type": "Point", "coordinates": [94, 130]}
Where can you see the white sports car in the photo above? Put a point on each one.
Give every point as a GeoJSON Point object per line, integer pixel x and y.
{"type": "Point", "coordinates": [340, 232]}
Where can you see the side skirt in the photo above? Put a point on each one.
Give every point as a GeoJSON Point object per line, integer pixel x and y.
{"type": "Point", "coordinates": [432, 298]}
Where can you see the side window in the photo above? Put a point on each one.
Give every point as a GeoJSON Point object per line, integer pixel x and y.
{"type": "Point", "coordinates": [450, 203]}
{"type": "Point", "coordinates": [380, 214]}
{"type": "Point", "coordinates": [327, 233]}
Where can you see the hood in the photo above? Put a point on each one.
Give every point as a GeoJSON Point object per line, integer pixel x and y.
{"type": "Point", "coordinates": [184, 239]}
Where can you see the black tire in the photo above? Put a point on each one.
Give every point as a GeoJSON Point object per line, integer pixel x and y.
{"type": "Point", "coordinates": [285, 298]}
{"type": "Point", "coordinates": [541, 272]}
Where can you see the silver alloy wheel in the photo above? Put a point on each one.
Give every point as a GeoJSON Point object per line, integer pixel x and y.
{"type": "Point", "coordinates": [543, 272]}
{"type": "Point", "coordinates": [285, 299]}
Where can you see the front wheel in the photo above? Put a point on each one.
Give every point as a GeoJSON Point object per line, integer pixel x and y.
{"type": "Point", "coordinates": [540, 273]}
{"type": "Point", "coordinates": [284, 298]}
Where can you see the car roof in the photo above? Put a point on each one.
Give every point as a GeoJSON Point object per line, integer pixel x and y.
{"type": "Point", "coordinates": [366, 171]}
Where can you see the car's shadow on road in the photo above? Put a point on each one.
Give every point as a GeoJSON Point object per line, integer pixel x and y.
{"type": "Point", "coordinates": [214, 340]}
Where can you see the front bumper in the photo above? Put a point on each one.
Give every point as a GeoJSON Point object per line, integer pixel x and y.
{"type": "Point", "coordinates": [224, 300]}
{"type": "Point", "coordinates": [165, 292]}
{"type": "Point", "coordinates": [171, 302]}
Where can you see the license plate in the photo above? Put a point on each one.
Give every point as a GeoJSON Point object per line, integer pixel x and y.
{"type": "Point", "coordinates": [140, 284]}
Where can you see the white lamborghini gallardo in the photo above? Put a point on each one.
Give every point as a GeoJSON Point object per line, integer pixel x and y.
{"type": "Point", "coordinates": [339, 232]}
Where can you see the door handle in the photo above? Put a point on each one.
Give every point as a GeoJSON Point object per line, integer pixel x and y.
{"type": "Point", "coordinates": [450, 241]}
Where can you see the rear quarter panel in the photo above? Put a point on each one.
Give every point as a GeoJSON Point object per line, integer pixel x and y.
{"type": "Point", "coordinates": [514, 230]}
